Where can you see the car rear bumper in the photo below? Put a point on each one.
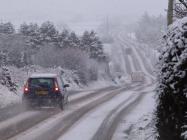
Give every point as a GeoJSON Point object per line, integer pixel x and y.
{"type": "Point", "coordinates": [43, 100]}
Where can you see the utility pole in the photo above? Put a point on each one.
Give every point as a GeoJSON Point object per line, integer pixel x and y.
{"type": "Point", "coordinates": [170, 12]}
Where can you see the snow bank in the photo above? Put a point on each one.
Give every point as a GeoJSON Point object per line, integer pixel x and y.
{"type": "Point", "coordinates": [7, 97]}
{"type": "Point", "coordinates": [139, 123]}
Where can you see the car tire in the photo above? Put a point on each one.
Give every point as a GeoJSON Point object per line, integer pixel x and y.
{"type": "Point", "coordinates": [61, 104]}
{"type": "Point", "coordinates": [26, 104]}
{"type": "Point", "coordinates": [67, 100]}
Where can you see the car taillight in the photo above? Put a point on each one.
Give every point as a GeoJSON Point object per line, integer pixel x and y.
{"type": "Point", "coordinates": [56, 87]}
{"type": "Point", "coordinates": [26, 88]}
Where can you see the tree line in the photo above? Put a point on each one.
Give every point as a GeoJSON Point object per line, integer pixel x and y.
{"type": "Point", "coordinates": [47, 33]}
{"type": "Point", "coordinates": [45, 45]}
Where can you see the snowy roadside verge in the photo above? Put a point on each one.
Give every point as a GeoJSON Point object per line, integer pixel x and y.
{"type": "Point", "coordinates": [139, 123]}
{"type": "Point", "coordinates": [7, 97]}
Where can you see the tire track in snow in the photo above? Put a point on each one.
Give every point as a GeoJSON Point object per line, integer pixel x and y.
{"type": "Point", "coordinates": [120, 58]}
{"type": "Point", "coordinates": [135, 63]}
{"type": "Point", "coordinates": [110, 123]}
{"type": "Point", "coordinates": [14, 125]}
{"type": "Point", "coordinates": [124, 57]}
{"type": "Point", "coordinates": [87, 126]}
{"type": "Point", "coordinates": [139, 64]}
{"type": "Point", "coordinates": [23, 121]}
{"type": "Point", "coordinates": [69, 121]}
{"type": "Point", "coordinates": [134, 68]}
{"type": "Point", "coordinates": [146, 66]}
{"type": "Point", "coordinates": [64, 123]}
{"type": "Point", "coordinates": [127, 61]}
{"type": "Point", "coordinates": [142, 61]}
{"type": "Point", "coordinates": [140, 47]}
{"type": "Point", "coordinates": [16, 109]}
{"type": "Point", "coordinates": [146, 62]}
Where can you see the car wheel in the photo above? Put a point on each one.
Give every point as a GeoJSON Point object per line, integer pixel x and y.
{"type": "Point", "coordinates": [67, 100]}
{"type": "Point", "coordinates": [26, 104]}
{"type": "Point", "coordinates": [61, 104]}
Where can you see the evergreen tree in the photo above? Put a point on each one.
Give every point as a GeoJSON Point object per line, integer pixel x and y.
{"type": "Point", "coordinates": [85, 41]}
{"type": "Point", "coordinates": [48, 32]}
{"type": "Point", "coordinates": [3, 58]}
{"type": "Point", "coordinates": [31, 29]}
{"type": "Point", "coordinates": [179, 10]}
{"type": "Point", "coordinates": [62, 40]}
{"type": "Point", "coordinates": [7, 28]}
{"type": "Point", "coordinates": [74, 41]}
{"type": "Point", "coordinates": [172, 89]}
{"type": "Point", "coordinates": [24, 29]}
{"type": "Point", "coordinates": [91, 44]}
{"type": "Point", "coordinates": [6, 79]}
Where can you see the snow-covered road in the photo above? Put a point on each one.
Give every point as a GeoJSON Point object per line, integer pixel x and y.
{"type": "Point", "coordinates": [90, 115]}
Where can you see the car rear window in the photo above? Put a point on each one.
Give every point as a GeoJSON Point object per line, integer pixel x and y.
{"type": "Point", "coordinates": [41, 82]}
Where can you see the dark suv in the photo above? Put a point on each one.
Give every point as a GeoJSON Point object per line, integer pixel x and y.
{"type": "Point", "coordinates": [45, 89]}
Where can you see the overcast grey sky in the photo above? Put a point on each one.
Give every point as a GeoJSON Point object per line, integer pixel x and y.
{"type": "Point", "coordinates": [63, 10]}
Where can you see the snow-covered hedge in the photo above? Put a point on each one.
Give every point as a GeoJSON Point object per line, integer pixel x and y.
{"type": "Point", "coordinates": [172, 83]}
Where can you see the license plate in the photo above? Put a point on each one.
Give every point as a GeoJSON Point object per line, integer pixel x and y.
{"type": "Point", "coordinates": [42, 92]}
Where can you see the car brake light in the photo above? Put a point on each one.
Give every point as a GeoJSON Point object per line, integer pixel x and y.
{"type": "Point", "coordinates": [26, 89]}
{"type": "Point", "coordinates": [56, 87]}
